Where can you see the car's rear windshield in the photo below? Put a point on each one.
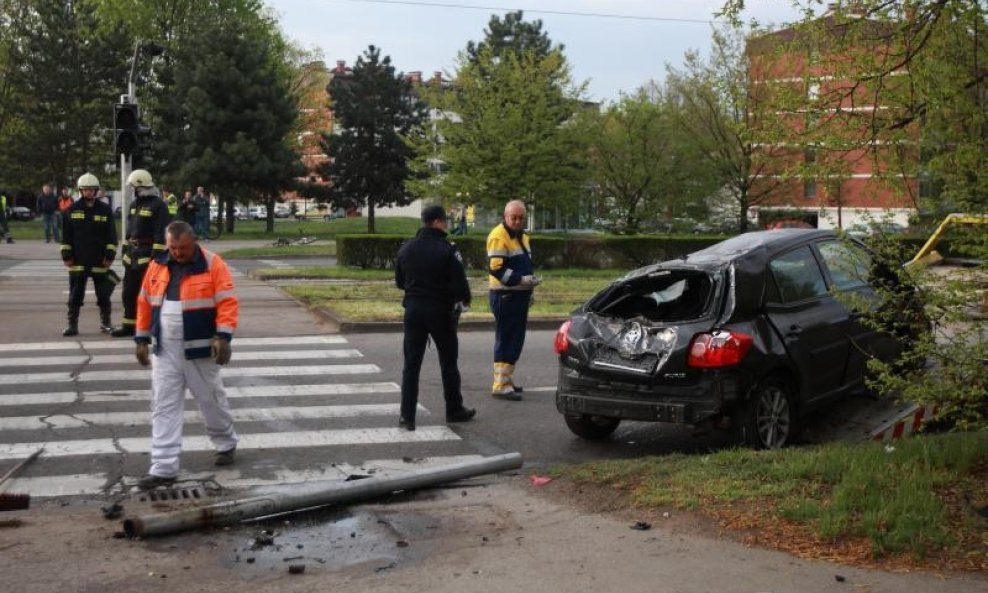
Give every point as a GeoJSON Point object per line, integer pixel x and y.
{"type": "Point", "coordinates": [663, 296]}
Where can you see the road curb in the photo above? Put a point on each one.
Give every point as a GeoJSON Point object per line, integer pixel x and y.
{"type": "Point", "coordinates": [348, 326]}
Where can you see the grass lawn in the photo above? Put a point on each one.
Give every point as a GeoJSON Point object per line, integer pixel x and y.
{"type": "Point", "coordinates": [370, 295]}
{"type": "Point", "coordinates": [910, 504]}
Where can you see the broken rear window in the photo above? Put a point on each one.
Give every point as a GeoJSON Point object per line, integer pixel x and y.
{"type": "Point", "coordinates": [663, 296]}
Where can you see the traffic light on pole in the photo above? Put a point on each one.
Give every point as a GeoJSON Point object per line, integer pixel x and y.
{"type": "Point", "coordinates": [143, 152]}
{"type": "Point", "coordinates": [126, 125]}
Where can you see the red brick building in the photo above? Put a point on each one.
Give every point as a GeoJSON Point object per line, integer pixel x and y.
{"type": "Point", "coordinates": [833, 159]}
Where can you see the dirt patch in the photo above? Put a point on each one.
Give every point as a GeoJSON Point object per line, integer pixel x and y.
{"type": "Point", "coordinates": [758, 524]}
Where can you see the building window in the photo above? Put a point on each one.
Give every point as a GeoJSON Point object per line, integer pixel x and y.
{"type": "Point", "coordinates": [809, 188]}
{"type": "Point", "coordinates": [809, 155]}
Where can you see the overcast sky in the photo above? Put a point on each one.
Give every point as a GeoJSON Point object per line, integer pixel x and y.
{"type": "Point", "coordinates": [614, 53]}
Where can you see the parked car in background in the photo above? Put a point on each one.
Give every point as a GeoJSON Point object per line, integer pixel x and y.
{"type": "Point", "coordinates": [884, 227]}
{"type": "Point", "coordinates": [21, 213]}
{"type": "Point", "coordinates": [282, 211]}
{"type": "Point", "coordinates": [257, 212]}
{"type": "Point", "coordinates": [746, 334]}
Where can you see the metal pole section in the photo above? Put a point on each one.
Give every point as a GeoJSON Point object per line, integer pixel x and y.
{"type": "Point", "coordinates": [312, 495]}
{"type": "Point", "coordinates": [124, 196]}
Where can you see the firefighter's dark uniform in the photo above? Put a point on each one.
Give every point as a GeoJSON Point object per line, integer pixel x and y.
{"type": "Point", "coordinates": [430, 271]}
{"type": "Point", "coordinates": [89, 245]}
{"type": "Point", "coordinates": [146, 221]}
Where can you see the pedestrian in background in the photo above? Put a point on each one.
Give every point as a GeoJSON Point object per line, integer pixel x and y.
{"type": "Point", "coordinates": [512, 280]}
{"type": "Point", "coordinates": [188, 310]}
{"type": "Point", "coordinates": [48, 209]}
{"type": "Point", "coordinates": [187, 209]}
{"type": "Point", "coordinates": [147, 218]}
{"type": "Point", "coordinates": [65, 202]}
{"type": "Point", "coordinates": [201, 201]}
{"type": "Point", "coordinates": [4, 228]}
{"type": "Point", "coordinates": [430, 271]}
{"type": "Point", "coordinates": [89, 245]}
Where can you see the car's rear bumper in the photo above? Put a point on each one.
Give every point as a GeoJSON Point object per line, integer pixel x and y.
{"type": "Point", "coordinates": [690, 403]}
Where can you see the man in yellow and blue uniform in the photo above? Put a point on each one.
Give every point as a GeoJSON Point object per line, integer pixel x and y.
{"type": "Point", "coordinates": [147, 218]}
{"type": "Point", "coordinates": [89, 245]}
{"type": "Point", "coordinates": [512, 279]}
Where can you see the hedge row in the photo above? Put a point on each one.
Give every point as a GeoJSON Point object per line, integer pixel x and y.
{"type": "Point", "coordinates": [379, 251]}
{"type": "Point", "coordinates": [620, 252]}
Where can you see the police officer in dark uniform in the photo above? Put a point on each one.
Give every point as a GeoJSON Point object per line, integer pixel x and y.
{"type": "Point", "coordinates": [147, 218]}
{"type": "Point", "coordinates": [89, 245]}
{"type": "Point", "coordinates": [430, 271]}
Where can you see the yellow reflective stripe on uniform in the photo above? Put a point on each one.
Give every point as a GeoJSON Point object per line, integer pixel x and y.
{"type": "Point", "coordinates": [159, 246]}
{"type": "Point", "coordinates": [125, 259]}
{"type": "Point", "coordinates": [155, 300]}
{"type": "Point", "coordinates": [101, 218]}
{"type": "Point", "coordinates": [65, 247]}
{"type": "Point", "coordinates": [79, 214]}
{"type": "Point", "coordinates": [197, 304]}
{"type": "Point", "coordinates": [224, 329]}
{"type": "Point", "coordinates": [145, 212]}
{"type": "Point", "coordinates": [77, 268]}
{"type": "Point", "coordinates": [111, 247]}
{"type": "Point", "coordinates": [144, 260]}
{"type": "Point", "coordinates": [222, 295]}
{"type": "Point", "coordinates": [99, 270]}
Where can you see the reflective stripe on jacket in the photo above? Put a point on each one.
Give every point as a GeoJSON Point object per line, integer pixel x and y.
{"type": "Point", "coordinates": [508, 259]}
{"type": "Point", "coordinates": [209, 306]}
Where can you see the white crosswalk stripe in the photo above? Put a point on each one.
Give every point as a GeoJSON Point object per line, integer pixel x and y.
{"type": "Point", "coordinates": [87, 404]}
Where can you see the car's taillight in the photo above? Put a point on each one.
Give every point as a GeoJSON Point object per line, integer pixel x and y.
{"type": "Point", "coordinates": [561, 343]}
{"type": "Point", "coordinates": [718, 349]}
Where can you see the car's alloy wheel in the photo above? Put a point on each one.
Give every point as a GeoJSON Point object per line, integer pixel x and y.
{"type": "Point", "coordinates": [766, 420]}
{"type": "Point", "coordinates": [591, 427]}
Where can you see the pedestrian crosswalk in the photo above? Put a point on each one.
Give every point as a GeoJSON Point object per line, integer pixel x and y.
{"type": "Point", "coordinates": [305, 407]}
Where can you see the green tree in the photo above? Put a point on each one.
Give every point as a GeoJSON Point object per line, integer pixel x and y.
{"type": "Point", "coordinates": [513, 34]}
{"type": "Point", "coordinates": [509, 130]}
{"type": "Point", "coordinates": [55, 91]}
{"type": "Point", "coordinates": [375, 109]}
{"type": "Point", "coordinates": [226, 111]}
{"type": "Point", "coordinates": [722, 112]}
{"type": "Point", "coordinates": [642, 162]}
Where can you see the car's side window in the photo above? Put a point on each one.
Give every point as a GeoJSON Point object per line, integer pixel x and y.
{"type": "Point", "coordinates": [798, 276]}
{"type": "Point", "coordinates": [848, 265]}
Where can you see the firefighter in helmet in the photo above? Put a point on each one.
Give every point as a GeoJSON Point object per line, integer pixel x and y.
{"type": "Point", "coordinates": [147, 218]}
{"type": "Point", "coordinates": [89, 245]}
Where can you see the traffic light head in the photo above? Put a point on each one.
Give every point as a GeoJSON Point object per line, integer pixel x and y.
{"type": "Point", "coordinates": [126, 125]}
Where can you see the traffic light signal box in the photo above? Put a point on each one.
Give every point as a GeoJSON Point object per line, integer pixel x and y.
{"type": "Point", "coordinates": [131, 137]}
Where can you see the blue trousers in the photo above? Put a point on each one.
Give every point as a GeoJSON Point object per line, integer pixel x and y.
{"type": "Point", "coordinates": [510, 309]}
{"type": "Point", "coordinates": [425, 318]}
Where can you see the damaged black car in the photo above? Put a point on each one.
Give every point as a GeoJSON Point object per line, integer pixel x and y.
{"type": "Point", "coordinates": [749, 335]}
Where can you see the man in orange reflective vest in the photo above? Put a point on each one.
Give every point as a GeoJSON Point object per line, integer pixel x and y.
{"type": "Point", "coordinates": [188, 309]}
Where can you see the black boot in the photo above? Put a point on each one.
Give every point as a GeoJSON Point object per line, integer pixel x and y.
{"type": "Point", "coordinates": [72, 329]}
{"type": "Point", "coordinates": [105, 325]}
{"type": "Point", "coordinates": [123, 331]}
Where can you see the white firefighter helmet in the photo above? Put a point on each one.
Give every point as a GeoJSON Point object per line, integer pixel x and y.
{"type": "Point", "coordinates": [88, 181]}
{"type": "Point", "coordinates": [140, 178]}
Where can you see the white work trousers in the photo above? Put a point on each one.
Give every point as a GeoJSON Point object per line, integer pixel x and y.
{"type": "Point", "coordinates": [171, 374]}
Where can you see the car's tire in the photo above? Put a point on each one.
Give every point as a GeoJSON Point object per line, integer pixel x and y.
{"type": "Point", "coordinates": [591, 427]}
{"type": "Point", "coordinates": [767, 419]}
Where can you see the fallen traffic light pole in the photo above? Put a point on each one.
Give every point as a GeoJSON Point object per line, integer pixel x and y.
{"type": "Point", "coordinates": [307, 496]}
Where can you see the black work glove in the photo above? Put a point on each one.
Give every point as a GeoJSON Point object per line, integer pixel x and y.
{"type": "Point", "coordinates": [221, 351]}
{"type": "Point", "coordinates": [142, 352]}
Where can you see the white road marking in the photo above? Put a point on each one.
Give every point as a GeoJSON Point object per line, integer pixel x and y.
{"type": "Point", "coordinates": [18, 399]}
{"type": "Point", "coordinates": [92, 484]}
{"type": "Point", "coordinates": [125, 344]}
{"type": "Point", "coordinates": [266, 440]}
{"type": "Point", "coordinates": [239, 356]}
{"type": "Point", "coordinates": [56, 421]}
{"type": "Point", "coordinates": [285, 371]}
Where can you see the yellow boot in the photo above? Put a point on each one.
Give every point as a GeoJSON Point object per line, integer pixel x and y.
{"type": "Point", "coordinates": [503, 388]}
